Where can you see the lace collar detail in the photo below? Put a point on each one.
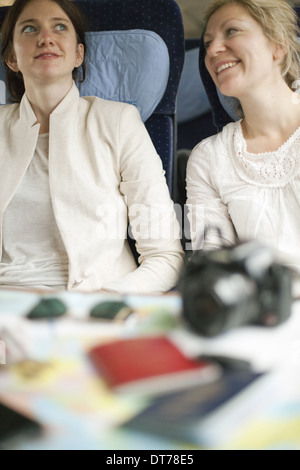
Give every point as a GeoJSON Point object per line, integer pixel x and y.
{"type": "Point", "coordinates": [274, 169]}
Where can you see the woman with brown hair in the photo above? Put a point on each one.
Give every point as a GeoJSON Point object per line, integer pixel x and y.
{"type": "Point", "coordinates": [75, 171]}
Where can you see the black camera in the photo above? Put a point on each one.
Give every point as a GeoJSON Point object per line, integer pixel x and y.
{"type": "Point", "coordinates": [233, 286]}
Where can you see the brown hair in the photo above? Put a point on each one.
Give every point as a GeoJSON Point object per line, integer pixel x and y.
{"type": "Point", "coordinates": [279, 22]}
{"type": "Point", "coordinates": [15, 83]}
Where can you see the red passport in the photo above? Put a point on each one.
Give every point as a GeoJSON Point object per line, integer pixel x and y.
{"type": "Point", "coordinates": [151, 364]}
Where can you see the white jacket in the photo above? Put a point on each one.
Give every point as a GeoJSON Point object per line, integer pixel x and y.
{"type": "Point", "coordinates": [103, 172]}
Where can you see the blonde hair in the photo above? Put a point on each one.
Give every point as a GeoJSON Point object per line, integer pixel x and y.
{"type": "Point", "coordinates": [279, 22]}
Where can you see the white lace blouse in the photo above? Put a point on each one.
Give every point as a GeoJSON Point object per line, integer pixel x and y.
{"type": "Point", "coordinates": [247, 196]}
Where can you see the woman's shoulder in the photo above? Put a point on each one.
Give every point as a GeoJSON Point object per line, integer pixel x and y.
{"type": "Point", "coordinates": [110, 115]}
{"type": "Point", "coordinates": [106, 106]}
{"type": "Point", "coordinates": [9, 113]}
{"type": "Point", "coordinates": [211, 154]}
{"type": "Point", "coordinates": [8, 109]}
{"type": "Point", "coordinates": [216, 144]}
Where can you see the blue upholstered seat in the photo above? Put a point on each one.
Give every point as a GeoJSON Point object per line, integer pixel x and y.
{"type": "Point", "coordinates": [164, 18]}
{"type": "Point", "coordinates": [131, 66]}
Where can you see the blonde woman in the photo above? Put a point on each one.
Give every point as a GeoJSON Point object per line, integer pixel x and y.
{"type": "Point", "coordinates": [245, 180]}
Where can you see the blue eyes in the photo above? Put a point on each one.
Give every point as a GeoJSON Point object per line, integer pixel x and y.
{"type": "Point", "coordinates": [28, 29]}
{"type": "Point", "coordinates": [32, 28]}
{"type": "Point", "coordinates": [61, 27]}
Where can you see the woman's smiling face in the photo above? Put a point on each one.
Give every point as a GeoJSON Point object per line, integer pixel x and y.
{"type": "Point", "coordinates": [238, 54]}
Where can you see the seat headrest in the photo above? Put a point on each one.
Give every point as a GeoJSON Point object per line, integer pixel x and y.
{"type": "Point", "coordinates": [191, 101]}
{"type": "Point", "coordinates": [131, 66]}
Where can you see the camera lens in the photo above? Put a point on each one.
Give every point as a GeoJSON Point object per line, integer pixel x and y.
{"type": "Point", "coordinates": [208, 319]}
{"type": "Point", "coordinates": [219, 300]}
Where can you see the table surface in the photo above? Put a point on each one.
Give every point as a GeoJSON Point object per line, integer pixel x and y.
{"type": "Point", "coordinates": [49, 375]}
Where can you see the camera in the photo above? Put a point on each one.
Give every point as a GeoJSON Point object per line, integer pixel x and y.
{"type": "Point", "coordinates": [233, 286]}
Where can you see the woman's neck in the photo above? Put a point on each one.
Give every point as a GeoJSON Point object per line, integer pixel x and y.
{"type": "Point", "coordinates": [44, 100]}
{"type": "Point", "coordinates": [266, 127]}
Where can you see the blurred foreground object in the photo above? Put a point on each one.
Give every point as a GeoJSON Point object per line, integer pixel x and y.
{"type": "Point", "coordinates": [233, 286]}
